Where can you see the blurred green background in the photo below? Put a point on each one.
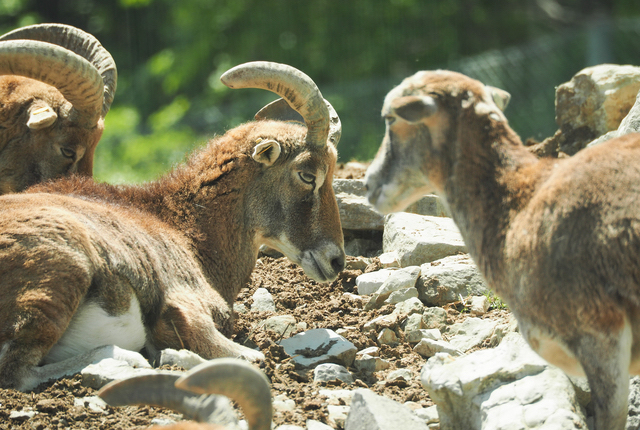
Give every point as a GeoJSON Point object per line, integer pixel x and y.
{"type": "Point", "coordinates": [170, 55]}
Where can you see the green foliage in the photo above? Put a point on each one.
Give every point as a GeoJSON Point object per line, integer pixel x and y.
{"type": "Point", "coordinates": [170, 55]}
{"type": "Point", "coordinates": [495, 302]}
{"type": "Point", "coordinates": [126, 156]}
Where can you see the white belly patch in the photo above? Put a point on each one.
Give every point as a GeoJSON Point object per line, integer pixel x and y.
{"type": "Point", "coordinates": [91, 327]}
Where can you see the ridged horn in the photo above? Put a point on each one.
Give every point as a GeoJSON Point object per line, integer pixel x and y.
{"type": "Point", "coordinates": [237, 380]}
{"type": "Point", "coordinates": [282, 111]}
{"type": "Point", "coordinates": [83, 96]}
{"type": "Point", "coordinates": [291, 84]}
{"type": "Point", "coordinates": [159, 390]}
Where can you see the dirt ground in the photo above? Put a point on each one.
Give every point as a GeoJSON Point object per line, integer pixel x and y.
{"type": "Point", "coordinates": [317, 305]}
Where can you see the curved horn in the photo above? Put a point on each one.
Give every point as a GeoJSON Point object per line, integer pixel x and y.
{"type": "Point", "coordinates": [282, 111]}
{"type": "Point", "coordinates": [79, 42]}
{"type": "Point", "coordinates": [83, 44]}
{"type": "Point", "coordinates": [72, 75]}
{"type": "Point", "coordinates": [237, 380]}
{"type": "Point", "coordinates": [295, 87]}
{"type": "Point", "coordinates": [159, 390]}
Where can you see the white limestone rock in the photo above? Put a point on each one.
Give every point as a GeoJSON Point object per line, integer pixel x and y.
{"type": "Point", "coordinates": [421, 239]}
{"type": "Point", "coordinates": [370, 411]}
{"type": "Point", "coordinates": [100, 374]}
{"type": "Point", "coordinates": [263, 301]}
{"type": "Point", "coordinates": [428, 348]}
{"type": "Point", "coordinates": [434, 317]}
{"type": "Point", "coordinates": [283, 325]}
{"type": "Point", "coordinates": [470, 333]}
{"type": "Point", "coordinates": [450, 279]}
{"type": "Point", "coordinates": [416, 336]}
{"type": "Point", "coordinates": [317, 346]}
{"type": "Point", "coordinates": [183, 358]}
{"type": "Point", "coordinates": [330, 372]}
{"type": "Point", "coordinates": [412, 305]}
{"type": "Point", "coordinates": [509, 387]}
{"type": "Point", "coordinates": [369, 363]}
{"type": "Point", "coordinates": [369, 283]}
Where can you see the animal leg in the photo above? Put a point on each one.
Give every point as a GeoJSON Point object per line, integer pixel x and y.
{"type": "Point", "coordinates": [36, 305]}
{"type": "Point", "coordinates": [28, 333]}
{"type": "Point", "coordinates": [180, 328]}
{"type": "Point", "coordinates": [73, 365]}
{"type": "Point", "coordinates": [605, 358]}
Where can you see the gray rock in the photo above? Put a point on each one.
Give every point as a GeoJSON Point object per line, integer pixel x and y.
{"type": "Point", "coordinates": [400, 374]}
{"type": "Point", "coordinates": [93, 403]}
{"type": "Point", "coordinates": [357, 214]}
{"type": "Point", "coordinates": [263, 301]}
{"type": "Point", "coordinates": [369, 283]}
{"type": "Point", "coordinates": [478, 305]}
{"type": "Point", "coordinates": [373, 351]}
{"type": "Point", "coordinates": [450, 279]}
{"type": "Point", "coordinates": [183, 358]}
{"type": "Point", "coordinates": [317, 425]}
{"type": "Point", "coordinates": [416, 336]}
{"type": "Point", "coordinates": [387, 337]}
{"type": "Point", "coordinates": [240, 308]}
{"type": "Point", "coordinates": [594, 102]}
{"type": "Point", "coordinates": [282, 403]}
{"type": "Point", "coordinates": [509, 387]}
{"type": "Point", "coordinates": [430, 205]}
{"type": "Point", "coordinates": [410, 306]}
{"type": "Point", "coordinates": [372, 412]}
{"type": "Point", "coordinates": [389, 259]}
{"type": "Point", "coordinates": [630, 124]}
{"type": "Point", "coordinates": [413, 322]}
{"type": "Point", "coordinates": [337, 415]}
{"type": "Point", "coordinates": [403, 295]}
{"type": "Point", "coordinates": [98, 375]}
{"type": "Point", "coordinates": [330, 372]}
{"type": "Point", "coordinates": [358, 263]}
{"type": "Point", "coordinates": [401, 282]}
{"type": "Point", "coordinates": [337, 397]}
{"type": "Point", "coordinates": [283, 325]}
{"type": "Point", "coordinates": [388, 321]}
{"type": "Point", "coordinates": [470, 333]}
{"type": "Point", "coordinates": [318, 346]}
{"type": "Point", "coordinates": [421, 239]}
{"type": "Point", "coordinates": [355, 211]}
{"type": "Point", "coordinates": [429, 415]}
{"type": "Point", "coordinates": [162, 421]}
{"type": "Point", "coordinates": [428, 348]}
{"type": "Point", "coordinates": [633, 418]}
{"type": "Point", "coordinates": [22, 415]}
{"type": "Point", "coordinates": [434, 317]}
{"type": "Point", "coordinates": [399, 279]}
{"type": "Point", "coordinates": [369, 363]}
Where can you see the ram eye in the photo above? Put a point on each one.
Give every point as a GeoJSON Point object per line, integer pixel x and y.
{"type": "Point", "coordinates": [390, 119]}
{"type": "Point", "coordinates": [307, 178]}
{"type": "Point", "coordinates": [68, 153]}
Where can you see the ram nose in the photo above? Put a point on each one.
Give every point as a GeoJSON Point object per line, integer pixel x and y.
{"type": "Point", "coordinates": [323, 264]}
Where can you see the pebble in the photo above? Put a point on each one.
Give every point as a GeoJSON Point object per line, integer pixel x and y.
{"type": "Point", "coordinates": [263, 301]}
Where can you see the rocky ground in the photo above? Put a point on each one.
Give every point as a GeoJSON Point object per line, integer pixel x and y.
{"type": "Point", "coordinates": [59, 405]}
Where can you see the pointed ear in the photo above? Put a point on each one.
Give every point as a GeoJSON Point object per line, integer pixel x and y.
{"type": "Point", "coordinates": [266, 152]}
{"type": "Point", "coordinates": [41, 117]}
{"type": "Point", "coordinates": [500, 97]}
{"type": "Point", "coordinates": [414, 108]}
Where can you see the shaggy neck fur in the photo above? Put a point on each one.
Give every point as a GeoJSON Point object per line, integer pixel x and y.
{"type": "Point", "coordinates": [203, 199]}
{"type": "Point", "coordinates": [491, 179]}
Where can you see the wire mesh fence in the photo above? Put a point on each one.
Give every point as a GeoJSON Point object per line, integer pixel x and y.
{"type": "Point", "coordinates": [530, 72]}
